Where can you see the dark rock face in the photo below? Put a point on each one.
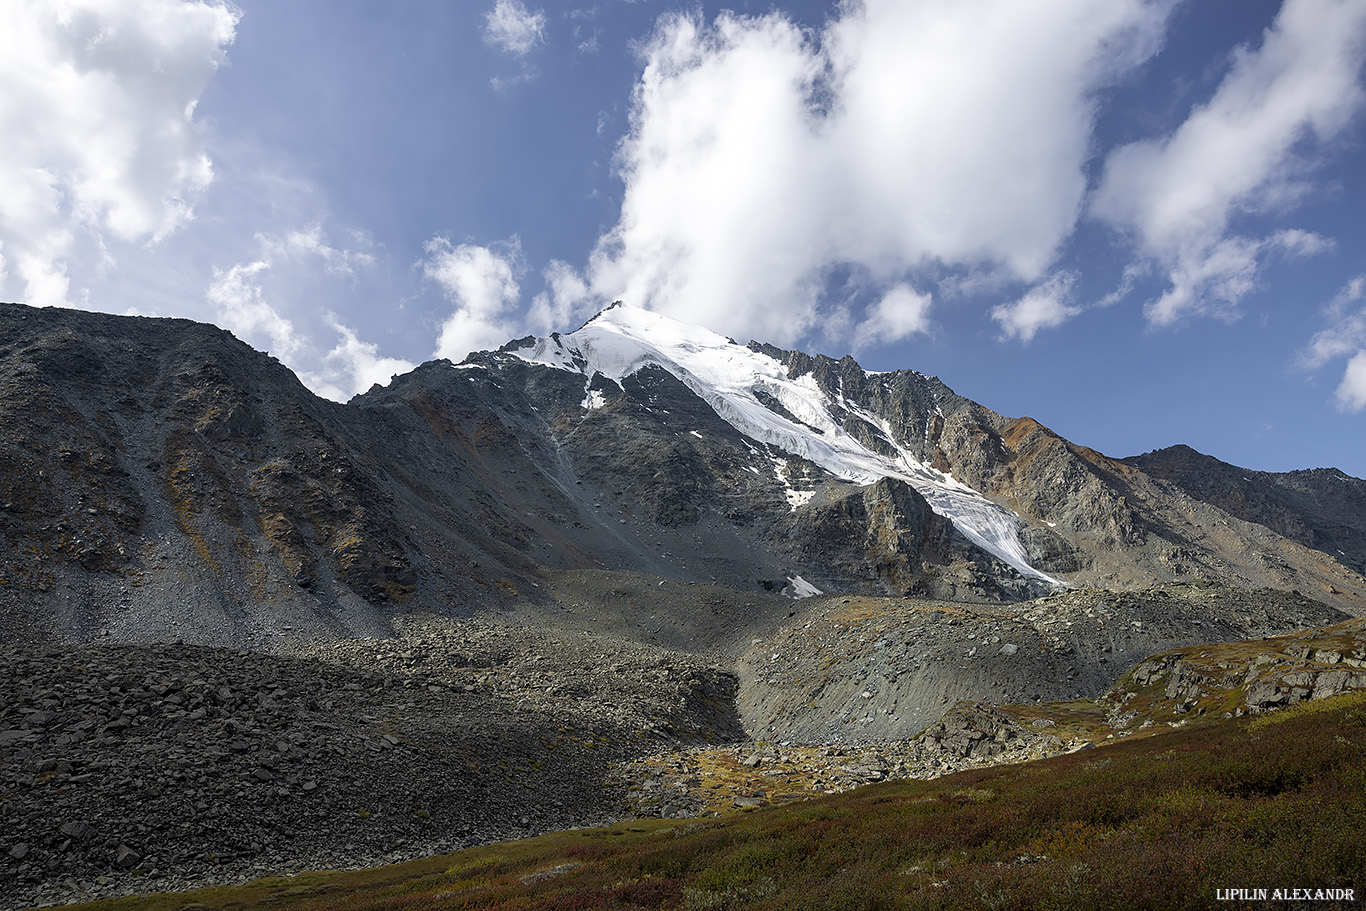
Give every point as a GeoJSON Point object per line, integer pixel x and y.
{"type": "Point", "coordinates": [151, 458]}
{"type": "Point", "coordinates": [1320, 508]}
{"type": "Point", "coordinates": [890, 529]}
{"type": "Point", "coordinates": [1116, 523]}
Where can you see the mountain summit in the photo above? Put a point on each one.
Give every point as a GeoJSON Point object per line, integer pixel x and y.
{"type": "Point", "coordinates": [751, 390]}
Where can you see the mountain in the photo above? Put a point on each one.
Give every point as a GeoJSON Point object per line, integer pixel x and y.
{"type": "Point", "coordinates": [161, 480]}
{"type": "Point", "coordinates": [455, 608]}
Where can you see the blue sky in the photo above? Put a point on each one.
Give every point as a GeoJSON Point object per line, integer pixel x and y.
{"type": "Point", "coordinates": [1140, 223]}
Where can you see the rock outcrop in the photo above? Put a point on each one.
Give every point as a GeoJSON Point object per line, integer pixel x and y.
{"type": "Point", "coordinates": [1250, 676]}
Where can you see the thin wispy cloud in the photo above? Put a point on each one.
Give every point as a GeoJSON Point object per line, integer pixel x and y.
{"type": "Point", "coordinates": [241, 305]}
{"type": "Point", "coordinates": [1245, 148]}
{"type": "Point", "coordinates": [1344, 337]}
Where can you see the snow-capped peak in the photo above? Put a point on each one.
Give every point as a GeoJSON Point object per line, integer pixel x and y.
{"type": "Point", "coordinates": [731, 378]}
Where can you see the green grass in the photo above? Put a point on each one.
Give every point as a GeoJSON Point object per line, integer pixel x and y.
{"type": "Point", "coordinates": [1157, 822]}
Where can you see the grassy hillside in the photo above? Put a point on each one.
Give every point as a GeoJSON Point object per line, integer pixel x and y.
{"type": "Point", "coordinates": [1159, 821]}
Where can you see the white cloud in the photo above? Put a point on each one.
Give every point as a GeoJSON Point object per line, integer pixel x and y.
{"type": "Point", "coordinates": [907, 136]}
{"type": "Point", "coordinates": [902, 312]}
{"type": "Point", "coordinates": [1351, 392]}
{"type": "Point", "coordinates": [100, 146]}
{"type": "Point", "coordinates": [261, 303]}
{"type": "Point", "coordinates": [567, 302]}
{"type": "Point", "coordinates": [482, 283]}
{"type": "Point", "coordinates": [1043, 307]}
{"type": "Point", "coordinates": [243, 310]}
{"type": "Point", "coordinates": [1344, 337]}
{"type": "Point", "coordinates": [511, 27]}
{"type": "Point", "coordinates": [1213, 278]}
{"type": "Point", "coordinates": [311, 242]}
{"type": "Point", "coordinates": [352, 367]}
{"type": "Point", "coordinates": [1246, 146]}
{"type": "Point", "coordinates": [1347, 330]}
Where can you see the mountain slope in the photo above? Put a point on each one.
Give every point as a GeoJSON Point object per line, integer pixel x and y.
{"type": "Point", "coordinates": [161, 480]}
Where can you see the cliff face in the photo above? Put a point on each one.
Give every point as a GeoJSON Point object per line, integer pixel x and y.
{"type": "Point", "coordinates": [163, 480]}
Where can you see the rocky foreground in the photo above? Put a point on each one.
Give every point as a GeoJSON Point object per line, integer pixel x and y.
{"type": "Point", "coordinates": [142, 767]}
{"type": "Point", "coordinates": [158, 767]}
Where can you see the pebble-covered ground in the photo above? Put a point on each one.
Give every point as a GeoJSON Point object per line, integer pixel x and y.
{"type": "Point", "coordinates": [158, 767]}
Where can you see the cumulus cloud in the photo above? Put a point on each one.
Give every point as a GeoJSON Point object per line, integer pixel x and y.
{"type": "Point", "coordinates": [1351, 392]}
{"type": "Point", "coordinates": [352, 366]}
{"type": "Point", "coordinates": [902, 312]}
{"type": "Point", "coordinates": [482, 283]}
{"type": "Point", "coordinates": [1045, 306]}
{"type": "Point", "coordinates": [566, 302]}
{"type": "Point", "coordinates": [903, 137]}
{"type": "Point", "coordinates": [253, 301]}
{"type": "Point", "coordinates": [1179, 194]}
{"type": "Point", "coordinates": [511, 27]}
{"type": "Point", "coordinates": [101, 147]}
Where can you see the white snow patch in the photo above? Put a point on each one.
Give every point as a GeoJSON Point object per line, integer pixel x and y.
{"type": "Point", "coordinates": [621, 340]}
{"type": "Point", "coordinates": [695, 433]}
{"type": "Point", "coordinates": [801, 588]}
{"type": "Point", "coordinates": [795, 498]}
{"type": "Point", "coordinates": [592, 398]}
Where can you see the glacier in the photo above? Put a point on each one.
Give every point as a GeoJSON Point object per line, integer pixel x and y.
{"type": "Point", "coordinates": [730, 377]}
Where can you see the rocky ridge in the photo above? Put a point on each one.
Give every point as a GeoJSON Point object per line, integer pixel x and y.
{"type": "Point", "coordinates": [1245, 677]}
{"type": "Point", "coordinates": [1321, 508]}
